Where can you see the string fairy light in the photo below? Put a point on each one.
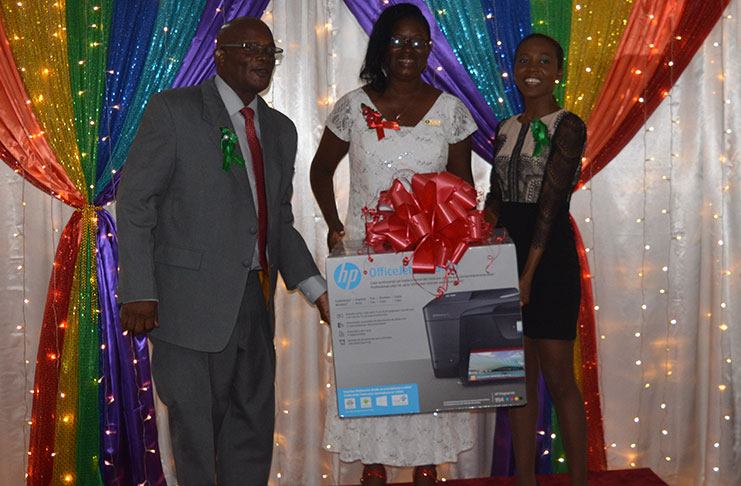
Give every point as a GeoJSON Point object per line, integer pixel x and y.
{"type": "Point", "coordinates": [285, 412]}
{"type": "Point", "coordinates": [501, 55]}
{"type": "Point", "coordinates": [330, 31]}
{"type": "Point", "coordinates": [23, 326]}
{"type": "Point", "coordinates": [635, 457]}
{"type": "Point", "coordinates": [277, 437]}
{"type": "Point", "coordinates": [592, 259]}
{"type": "Point", "coordinates": [665, 440]}
{"type": "Point", "coordinates": [108, 457]}
{"type": "Point", "coordinates": [725, 402]}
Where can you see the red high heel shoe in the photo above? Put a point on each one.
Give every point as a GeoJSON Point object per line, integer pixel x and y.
{"type": "Point", "coordinates": [373, 475]}
{"type": "Point", "coordinates": [425, 476]}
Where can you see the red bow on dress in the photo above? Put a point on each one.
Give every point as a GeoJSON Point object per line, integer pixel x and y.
{"type": "Point", "coordinates": [375, 120]}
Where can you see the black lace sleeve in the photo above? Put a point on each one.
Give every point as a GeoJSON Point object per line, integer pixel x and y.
{"type": "Point", "coordinates": [564, 160]}
{"type": "Point", "coordinates": [494, 198]}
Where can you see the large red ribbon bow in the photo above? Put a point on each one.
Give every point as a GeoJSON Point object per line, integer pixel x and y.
{"type": "Point", "coordinates": [438, 220]}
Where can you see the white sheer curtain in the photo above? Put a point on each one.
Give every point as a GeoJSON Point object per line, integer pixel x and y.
{"type": "Point", "coordinates": [30, 226]}
{"type": "Point", "coordinates": [684, 211]}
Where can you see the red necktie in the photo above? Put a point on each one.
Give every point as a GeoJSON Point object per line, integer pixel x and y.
{"type": "Point", "coordinates": [259, 172]}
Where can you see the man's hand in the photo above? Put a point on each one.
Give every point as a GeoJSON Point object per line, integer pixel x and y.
{"type": "Point", "coordinates": [139, 317]}
{"type": "Point", "coordinates": [322, 302]}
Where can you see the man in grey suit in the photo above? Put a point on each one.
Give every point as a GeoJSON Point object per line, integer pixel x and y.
{"type": "Point", "coordinates": [195, 234]}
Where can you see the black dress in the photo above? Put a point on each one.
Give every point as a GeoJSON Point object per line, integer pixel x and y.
{"type": "Point", "coordinates": [531, 194]}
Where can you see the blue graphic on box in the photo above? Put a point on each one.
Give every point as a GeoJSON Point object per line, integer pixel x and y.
{"type": "Point", "coordinates": [347, 276]}
{"type": "Point", "coordinates": [378, 400]}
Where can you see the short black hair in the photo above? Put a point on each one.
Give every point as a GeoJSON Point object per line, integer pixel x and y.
{"type": "Point", "coordinates": [375, 55]}
{"type": "Point", "coordinates": [554, 42]}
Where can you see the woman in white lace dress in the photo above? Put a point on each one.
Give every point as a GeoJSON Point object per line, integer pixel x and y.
{"type": "Point", "coordinates": [394, 123]}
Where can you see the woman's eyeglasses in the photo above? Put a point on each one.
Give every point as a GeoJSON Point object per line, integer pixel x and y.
{"type": "Point", "coordinates": [399, 42]}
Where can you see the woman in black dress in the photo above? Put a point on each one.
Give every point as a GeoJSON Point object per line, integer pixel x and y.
{"type": "Point", "coordinates": [537, 162]}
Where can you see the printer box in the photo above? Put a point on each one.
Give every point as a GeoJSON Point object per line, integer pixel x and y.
{"type": "Point", "coordinates": [402, 345]}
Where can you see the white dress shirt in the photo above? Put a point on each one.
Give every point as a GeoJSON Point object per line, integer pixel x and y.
{"type": "Point", "coordinates": [313, 286]}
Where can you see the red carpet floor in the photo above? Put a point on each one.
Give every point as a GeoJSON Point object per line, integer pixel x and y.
{"type": "Point", "coordinates": [623, 477]}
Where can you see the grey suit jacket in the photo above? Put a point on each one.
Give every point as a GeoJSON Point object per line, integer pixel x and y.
{"type": "Point", "coordinates": [187, 229]}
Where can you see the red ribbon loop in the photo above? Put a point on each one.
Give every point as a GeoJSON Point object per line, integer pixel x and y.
{"type": "Point", "coordinates": [375, 120]}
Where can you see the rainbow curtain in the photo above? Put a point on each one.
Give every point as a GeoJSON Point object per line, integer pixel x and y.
{"type": "Point", "coordinates": [622, 58]}
{"type": "Point", "coordinates": [76, 76]}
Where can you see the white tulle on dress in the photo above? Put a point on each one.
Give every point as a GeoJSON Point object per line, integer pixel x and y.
{"type": "Point", "coordinates": [403, 440]}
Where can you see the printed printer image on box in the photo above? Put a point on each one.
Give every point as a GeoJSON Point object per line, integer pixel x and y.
{"type": "Point", "coordinates": [476, 335]}
{"type": "Point", "coordinates": [406, 342]}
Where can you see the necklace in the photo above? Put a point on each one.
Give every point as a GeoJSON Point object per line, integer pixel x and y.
{"type": "Point", "coordinates": [406, 106]}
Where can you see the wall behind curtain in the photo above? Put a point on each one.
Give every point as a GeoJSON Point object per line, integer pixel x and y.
{"type": "Point", "coordinates": [324, 49]}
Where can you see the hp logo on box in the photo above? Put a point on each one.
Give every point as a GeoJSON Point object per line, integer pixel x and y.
{"type": "Point", "coordinates": [347, 276]}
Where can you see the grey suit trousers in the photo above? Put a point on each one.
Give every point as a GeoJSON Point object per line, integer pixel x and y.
{"type": "Point", "coordinates": [221, 406]}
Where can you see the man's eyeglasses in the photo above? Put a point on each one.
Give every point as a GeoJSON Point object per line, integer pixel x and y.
{"type": "Point", "coordinates": [253, 49]}
{"type": "Point", "coordinates": [398, 43]}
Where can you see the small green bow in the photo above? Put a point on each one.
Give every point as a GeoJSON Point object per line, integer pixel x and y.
{"type": "Point", "coordinates": [228, 141]}
{"type": "Point", "coordinates": [540, 134]}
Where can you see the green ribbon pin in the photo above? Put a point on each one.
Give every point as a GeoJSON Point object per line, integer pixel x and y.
{"type": "Point", "coordinates": [540, 134]}
{"type": "Point", "coordinates": [228, 141]}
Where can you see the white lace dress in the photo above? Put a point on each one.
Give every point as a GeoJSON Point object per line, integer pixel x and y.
{"type": "Point", "coordinates": [403, 440]}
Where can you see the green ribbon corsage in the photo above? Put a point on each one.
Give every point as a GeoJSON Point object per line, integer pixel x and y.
{"type": "Point", "coordinates": [228, 142]}
{"type": "Point", "coordinates": [540, 134]}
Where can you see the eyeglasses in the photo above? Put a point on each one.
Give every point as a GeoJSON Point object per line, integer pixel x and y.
{"type": "Point", "coordinates": [253, 49]}
{"type": "Point", "coordinates": [398, 43]}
